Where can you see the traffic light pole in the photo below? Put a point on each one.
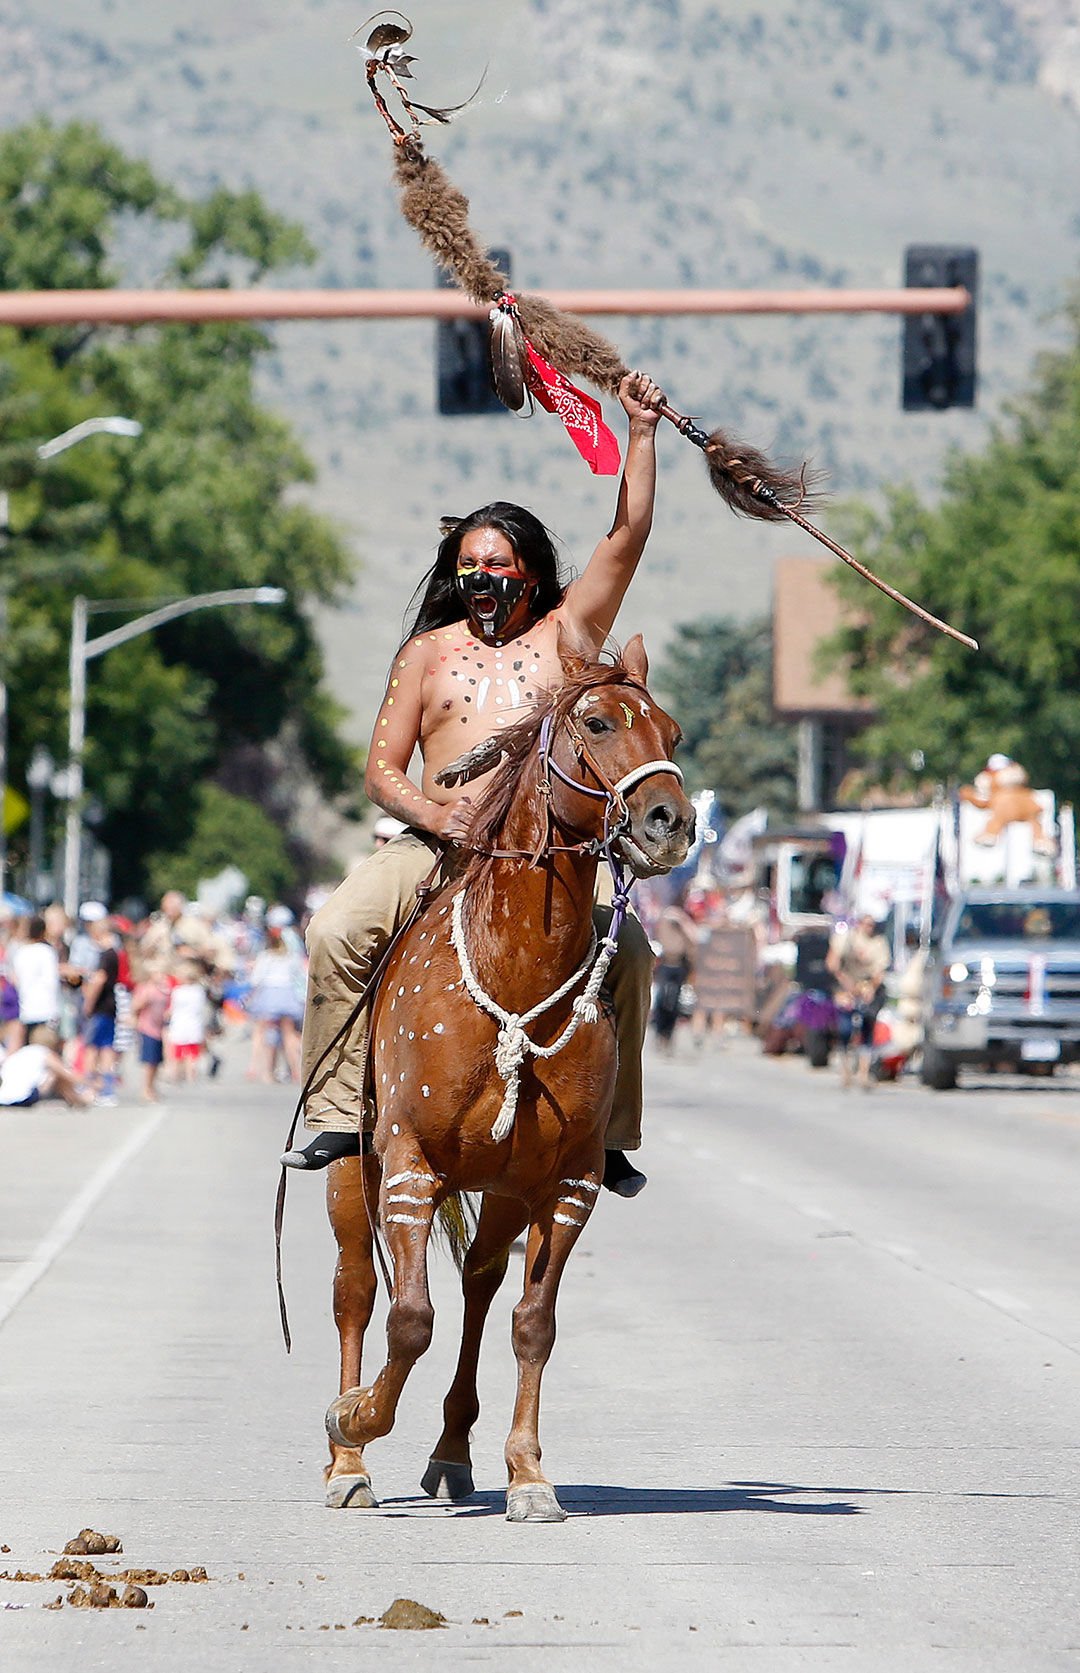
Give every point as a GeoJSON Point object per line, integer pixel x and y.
{"type": "Point", "coordinates": [152, 307]}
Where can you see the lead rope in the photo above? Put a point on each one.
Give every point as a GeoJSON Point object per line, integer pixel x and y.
{"type": "Point", "coordinates": [513, 1043]}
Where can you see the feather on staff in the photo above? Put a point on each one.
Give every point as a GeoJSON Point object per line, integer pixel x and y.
{"type": "Point", "coordinates": [748, 482]}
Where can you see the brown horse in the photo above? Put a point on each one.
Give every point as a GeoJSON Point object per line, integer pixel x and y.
{"type": "Point", "coordinates": [504, 1096]}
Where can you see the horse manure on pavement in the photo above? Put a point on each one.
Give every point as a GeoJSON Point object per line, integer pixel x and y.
{"type": "Point", "coordinates": [89, 1543]}
{"type": "Point", "coordinates": [408, 1615]}
{"type": "Point", "coordinates": [101, 1596]}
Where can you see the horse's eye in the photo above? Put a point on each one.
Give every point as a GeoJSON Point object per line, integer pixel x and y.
{"type": "Point", "coordinates": [596, 724]}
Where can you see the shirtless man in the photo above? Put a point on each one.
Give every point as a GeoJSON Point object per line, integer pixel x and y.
{"type": "Point", "coordinates": [484, 647]}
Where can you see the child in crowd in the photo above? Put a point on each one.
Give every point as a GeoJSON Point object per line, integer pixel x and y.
{"type": "Point", "coordinates": [150, 1010]}
{"type": "Point", "coordinates": [189, 1011]}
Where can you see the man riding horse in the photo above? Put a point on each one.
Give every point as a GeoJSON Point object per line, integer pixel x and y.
{"type": "Point", "coordinates": [484, 647]}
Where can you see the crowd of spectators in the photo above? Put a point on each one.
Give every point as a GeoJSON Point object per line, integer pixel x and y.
{"type": "Point", "coordinates": [106, 1008]}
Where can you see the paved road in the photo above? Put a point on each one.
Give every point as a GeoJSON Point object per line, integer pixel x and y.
{"type": "Point", "coordinates": [814, 1404]}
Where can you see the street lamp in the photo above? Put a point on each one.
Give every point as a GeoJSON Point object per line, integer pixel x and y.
{"type": "Point", "coordinates": [83, 650]}
{"type": "Point", "coordinates": [110, 425]}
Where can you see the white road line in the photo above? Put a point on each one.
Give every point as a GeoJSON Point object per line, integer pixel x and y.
{"type": "Point", "coordinates": [74, 1217]}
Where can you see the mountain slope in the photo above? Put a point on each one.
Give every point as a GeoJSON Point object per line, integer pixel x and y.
{"type": "Point", "coordinates": [658, 142]}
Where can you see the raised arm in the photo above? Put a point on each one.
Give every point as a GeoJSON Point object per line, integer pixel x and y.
{"type": "Point", "coordinates": [593, 601]}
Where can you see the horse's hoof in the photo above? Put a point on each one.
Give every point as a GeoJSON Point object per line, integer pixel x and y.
{"type": "Point", "coordinates": [443, 1480]}
{"type": "Point", "coordinates": [534, 1503]}
{"type": "Point", "coordinates": [350, 1492]}
{"type": "Point", "coordinates": [343, 1407]}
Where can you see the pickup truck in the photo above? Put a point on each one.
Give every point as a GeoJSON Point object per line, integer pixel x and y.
{"type": "Point", "coordinates": [1003, 984]}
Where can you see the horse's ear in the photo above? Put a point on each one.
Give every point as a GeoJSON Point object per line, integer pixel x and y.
{"type": "Point", "coordinates": [572, 656]}
{"type": "Point", "coordinates": [634, 659]}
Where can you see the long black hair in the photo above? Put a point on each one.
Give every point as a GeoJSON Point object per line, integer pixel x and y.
{"type": "Point", "coordinates": [437, 602]}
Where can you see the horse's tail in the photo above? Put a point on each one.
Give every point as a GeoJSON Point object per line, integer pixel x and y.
{"type": "Point", "coordinates": [457, 1220]}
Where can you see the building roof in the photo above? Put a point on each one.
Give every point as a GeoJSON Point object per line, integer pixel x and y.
{"type": "Point", "coordinates": [807, 610]}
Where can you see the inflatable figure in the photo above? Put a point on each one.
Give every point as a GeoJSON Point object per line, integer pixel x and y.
{"type": "Point", "coordinates": [1003, 788]}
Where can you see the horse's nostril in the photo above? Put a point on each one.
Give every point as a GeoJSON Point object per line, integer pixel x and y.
{"type": "Point", "coordinates": [662, 820]}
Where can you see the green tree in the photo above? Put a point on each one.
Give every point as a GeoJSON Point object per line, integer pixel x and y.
{"type": "Point", "coordinates": [207, 498]}
{"type": "Point", "coordinates": [228, 831]}
{"type": "Point", "coordinates": [717, 681]}
{"type": "Point", "coordinates": [999, 557]}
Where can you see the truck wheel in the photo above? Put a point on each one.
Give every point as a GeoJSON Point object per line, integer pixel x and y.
{"type": "Point", "coordinates": [816, 1047]}
{"type": "Point", "coordinates": [938, 1070]}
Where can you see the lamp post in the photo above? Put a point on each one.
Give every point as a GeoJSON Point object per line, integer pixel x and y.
{"type": "Point", "coordinates": [109, 425]}
{"type": "Point", "coordinates": [83, 650]}
{"type": "Point", "coordinates": [39, 776]}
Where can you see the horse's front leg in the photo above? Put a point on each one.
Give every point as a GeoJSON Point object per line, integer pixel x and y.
{"type": "Point", "coordinates": [348, 1484]}
{"type": "Point", "coordinates": [449, 1472]}
{"type": "Point", "coordinates": [407, 1205]}
{"type": "Point", "coordinates": [530, 1496]}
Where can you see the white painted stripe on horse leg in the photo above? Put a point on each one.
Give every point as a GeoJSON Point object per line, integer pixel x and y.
{"type": "Point", "coordinates": [74, 1216]}
{"type": "Point", "coordinates": [580, 1185]}
{"type": "Point", "coordinates": [565, 1220]}
{"type": "Point", "coordinates": [406, 1220]}
{"type": "Point", "coordinates": [417, 1202]}
{"type": "Point", "coordinates": [400, 1178]}
{"type": "Point", "coordinates": [573, 1202]}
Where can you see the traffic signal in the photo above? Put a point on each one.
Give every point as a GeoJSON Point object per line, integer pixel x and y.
{"type": "Point", "coordinates": [939, 349]}
{"type": "Point", "coordinates": [463, 359]}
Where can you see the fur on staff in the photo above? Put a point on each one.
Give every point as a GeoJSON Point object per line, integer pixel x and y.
{"type": "Point", "coordinates": [434, 207]}
{"type": "Point", "coordinates": [745, 479]}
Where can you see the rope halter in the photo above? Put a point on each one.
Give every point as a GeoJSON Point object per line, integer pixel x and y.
{"type": "Point", "coordinates": [513, 1044]}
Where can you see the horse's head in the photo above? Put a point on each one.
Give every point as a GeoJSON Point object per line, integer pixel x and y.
{"type": "Point", "coordinates": [611, 747]}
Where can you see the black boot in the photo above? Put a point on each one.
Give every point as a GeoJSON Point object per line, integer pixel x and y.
{"type": "Point", "coordinates": [621, 1176]}
{"type": "Point", "coordinates": [320, 1151]}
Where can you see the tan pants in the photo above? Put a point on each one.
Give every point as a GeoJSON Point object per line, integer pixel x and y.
{"type": "Point", "coordinates": [347, 937]}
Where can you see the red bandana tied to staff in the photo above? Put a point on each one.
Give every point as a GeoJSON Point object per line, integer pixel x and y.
{"type": "Point", "coordinates": [579, 412]}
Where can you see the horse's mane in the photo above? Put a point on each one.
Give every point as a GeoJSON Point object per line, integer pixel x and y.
{"type": "Point", "coordinates": [519, 744]}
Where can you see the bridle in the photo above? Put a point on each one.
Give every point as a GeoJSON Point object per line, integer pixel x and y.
{"type": "Point", "coordinates": [616, 832]}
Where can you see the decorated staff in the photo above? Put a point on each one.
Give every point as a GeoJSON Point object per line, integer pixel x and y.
{"type": "Point", "coordinates": [535, 347]}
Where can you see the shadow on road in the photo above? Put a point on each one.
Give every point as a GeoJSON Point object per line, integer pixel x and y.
{"type": "Point", "coordinates": [584, 1500]}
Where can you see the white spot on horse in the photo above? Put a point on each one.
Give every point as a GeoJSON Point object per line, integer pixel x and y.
{"type": "Point", "coordinates": [427, 964]}
{"type": "Point", "coordinates": [402, 1075]}
{"type": "Point", "coordinates": [481, 692]}
{"type": "Point", "coordinates": [400, 992]}
{"type": "Point", "coordinates": [416, 990]}
{"type": "Point", "coordinates": [395, 1129]}
{"type": "Point", "coordinates": [401, 1028]}
{"type": "Point", "coordinates": [645, 709]}
{"type": "Point", "coordinates": [412, 1036]}
{"type": "Point", "coordinates": [384, 1080]}
{"type": "Point", "coordinates": [438, 1029]}
{"type": "Point", "coordinates": [426, 1090]}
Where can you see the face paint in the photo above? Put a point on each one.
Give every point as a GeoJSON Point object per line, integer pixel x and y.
{"type": "Point", "coordinates": [490, 598]}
